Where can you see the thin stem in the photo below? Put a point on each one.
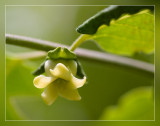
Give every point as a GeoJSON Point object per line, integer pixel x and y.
{"type": "Point", "coordinates": [31, 42]}
{"type": "Point", "coordinates": [78, 41]}
{"type": "Point", "coordinates": [83, 53]}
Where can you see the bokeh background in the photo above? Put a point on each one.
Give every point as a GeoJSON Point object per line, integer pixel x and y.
{"type": "Point", "coordinates": [107, 83]}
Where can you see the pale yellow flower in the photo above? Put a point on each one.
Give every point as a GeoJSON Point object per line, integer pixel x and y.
{"type": "Point", "coordinates": [60, 80]}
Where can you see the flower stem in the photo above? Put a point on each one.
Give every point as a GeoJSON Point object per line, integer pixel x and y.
{"type": "Point", "coordinates": [83, 53]}
{"type": "Point", "coordinates": [78, 41]}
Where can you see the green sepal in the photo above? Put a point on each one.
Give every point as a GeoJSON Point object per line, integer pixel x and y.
{"type": "Point", "coordinates": [80, 71]}
{"type": "Point", "coordinates": [40, 69]}
{"type": "Point", "coordinates": [61, 53]}
{"type": "Point", "coordinates": [91, 25]}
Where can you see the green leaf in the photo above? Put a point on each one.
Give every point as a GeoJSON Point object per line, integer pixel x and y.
{"type": "Point", "coordinates": [138, 104]}
{"type": "Point", "coordinates": [40, 69]}
{"type": "Point", "coordinates": [91, 25]}
{"type": "Point", "coordinates": [128, 35]}
{"type": "Point", "coordinates": [61, 53]}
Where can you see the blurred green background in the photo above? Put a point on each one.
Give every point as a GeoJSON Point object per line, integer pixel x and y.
{"type": "Point", "coordinates": [107, 83]}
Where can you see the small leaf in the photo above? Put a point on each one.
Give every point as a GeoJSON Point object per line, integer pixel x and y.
{"type": "Point", "coordinates": [91, 25]}
{"type": "Point", "coordinates": [128, 35]}
{"type": "Point", "coordinates": [60, 53]}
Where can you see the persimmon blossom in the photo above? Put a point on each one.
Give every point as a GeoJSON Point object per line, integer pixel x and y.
{"type": "Point", "coordinates": [60, 80]}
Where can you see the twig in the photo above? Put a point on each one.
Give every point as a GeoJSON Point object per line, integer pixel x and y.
{"type": "Point", "coordinates": [83, 53]}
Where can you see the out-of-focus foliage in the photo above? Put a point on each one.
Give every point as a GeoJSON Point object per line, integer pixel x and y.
{"type": "Point", "coordinates": [17, 79]}
{"type": "Point", "coordinates": [128, 35]}
{"type": "Point", "coordinates": [24, 101]}
{"type": "Point", "coordinates": [137, 104]}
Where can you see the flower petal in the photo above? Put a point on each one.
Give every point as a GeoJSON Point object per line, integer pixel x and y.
{"type": "Point", "coordinates": [50, 94]}
{"type": "Point", "coordinates": [42, 81]}
{"type": "Point", "coordinates": [78, 82]}
{"type": "Point", "coordinates": [70, 64]}
{"type": "Point", "coordinates": [61, 71]}
{"type": "Point", "coordinates": [49, 64]}
{"type": "Point", "coordinates": [67, 90]}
